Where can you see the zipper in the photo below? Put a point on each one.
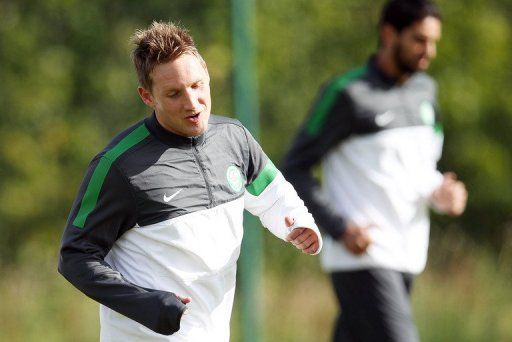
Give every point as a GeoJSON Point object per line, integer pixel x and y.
{"type": "Point", "coordinates": [203, 172]}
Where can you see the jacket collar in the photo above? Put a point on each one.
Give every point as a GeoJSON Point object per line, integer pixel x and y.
{"type": "Point", "coordinates": [169, 138]}
{"type": "Point", "coordinates": [374, 71]}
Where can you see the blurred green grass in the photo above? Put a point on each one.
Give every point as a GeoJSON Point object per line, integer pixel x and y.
{"type": "Point", "coordinates": [464, 295]}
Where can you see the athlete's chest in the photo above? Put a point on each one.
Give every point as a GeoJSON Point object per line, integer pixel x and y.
{"type": "Point", "coordinates": [377, 109]}
{"type": "Point", "coordinates": [169, 182]}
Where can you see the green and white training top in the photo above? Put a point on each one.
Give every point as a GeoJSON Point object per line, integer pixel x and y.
{"type": "Point", "coordinates": [378, 141]}
{"type": "Point", "coordinates": [159, 214]}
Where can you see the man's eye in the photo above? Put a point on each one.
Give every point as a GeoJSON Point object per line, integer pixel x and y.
{"type": "Point", "coordinates": [173, 95]}
{"type": "Point", "coordinates": [421, 40]}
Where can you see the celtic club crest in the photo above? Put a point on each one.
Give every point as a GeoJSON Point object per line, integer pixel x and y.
{"type": "Point", "coordinates": [234, 177]}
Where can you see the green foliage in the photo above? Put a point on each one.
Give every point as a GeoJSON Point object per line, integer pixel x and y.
{"type": "Point", "coordinates": [473, 86]}
{"type": "Point", "coordinates": [39, 305]}
{"type": "Point", "coordinates": [462, 296]}
{"type": "Point", "coordinates": [67, 86]}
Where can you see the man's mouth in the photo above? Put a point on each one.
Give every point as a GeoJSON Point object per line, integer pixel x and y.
{"type": "Point", "coordinates": [193, 118]}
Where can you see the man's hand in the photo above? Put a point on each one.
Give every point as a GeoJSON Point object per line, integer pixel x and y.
{"type": "Point", "coordinates": [184, 300]}
{"type": "Point", "coordinates": [451, 196]}
{"type": "Point", "coordinates": [356, 239]}
{"type": "Point", "coordinates": [304, 239]}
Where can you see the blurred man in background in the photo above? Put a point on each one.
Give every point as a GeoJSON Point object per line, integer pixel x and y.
{"type": "Point", "coordinates": [156, 227]}
{"type": "Point", "coordinates": [377, 133]}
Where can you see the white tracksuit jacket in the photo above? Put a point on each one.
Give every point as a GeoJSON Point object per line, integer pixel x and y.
{"type": "Point", "coordinates": [378, 142]}
{"type": "Point", "coordinates": [159, 215]}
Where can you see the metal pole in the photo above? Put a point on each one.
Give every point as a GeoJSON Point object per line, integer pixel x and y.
{"type": "Point", "coordinates": [247, 111]}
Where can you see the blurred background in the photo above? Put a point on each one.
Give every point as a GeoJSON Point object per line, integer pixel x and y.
{"type": "Point", "coordinates": [67, 86]}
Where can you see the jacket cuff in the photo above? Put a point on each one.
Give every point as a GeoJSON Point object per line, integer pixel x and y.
{"type": "Point", "coordinates": [170, 315]}
{"type": "Point", "coordinates": [306, 221]}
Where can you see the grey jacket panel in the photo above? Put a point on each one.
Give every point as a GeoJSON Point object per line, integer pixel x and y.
{"type": "Point", "coordinates": [161, 176]}
{"type": "Point", "coordinates": [364, 102]}
{"type": "Point", "coordinates": [190, 170]}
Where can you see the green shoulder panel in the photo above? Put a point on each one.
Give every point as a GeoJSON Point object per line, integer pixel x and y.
{"type": "Point", "coordinates": [325, 103]}
{"type": "Point", "coordinates": [265, 177]}
{"type": "Point", "coordinates": [92, 192]}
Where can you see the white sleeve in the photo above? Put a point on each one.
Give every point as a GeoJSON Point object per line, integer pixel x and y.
{"type": "Point", "coordinates": [278, 200]}
{"type": "Point", "coordinates": [432, 183]}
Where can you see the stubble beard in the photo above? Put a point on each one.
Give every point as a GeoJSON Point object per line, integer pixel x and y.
{"type": "Point", "coordinates": [405, 66]}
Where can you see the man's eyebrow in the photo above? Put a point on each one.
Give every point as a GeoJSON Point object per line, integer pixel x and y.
{"type": "Point", "coordinates": [171, 88]}
{"type": "Point", "coordinates": [199, 79]}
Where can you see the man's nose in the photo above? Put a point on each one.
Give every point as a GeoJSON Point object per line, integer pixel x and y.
{"type": "Point", "coordinates": [431, 50]}
{"type": "Point", "coordinates": [191, 100]}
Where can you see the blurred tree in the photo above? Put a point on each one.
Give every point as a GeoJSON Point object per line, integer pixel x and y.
{"type": "Point", "coordinates": [67, 86]}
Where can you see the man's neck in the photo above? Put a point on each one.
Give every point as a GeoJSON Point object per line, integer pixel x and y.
{"type": "Point", "coordinates": [386, 63]}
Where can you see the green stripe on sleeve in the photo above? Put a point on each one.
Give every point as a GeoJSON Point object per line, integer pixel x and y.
{"type": "Point", "coordinates": [323, 106]}
{"type": "Point", "coordinates": [100, 172]}
{"type": "Point", "coordinates": [438, 128]}
{"type": "Point", "coordinates": [265, 177]}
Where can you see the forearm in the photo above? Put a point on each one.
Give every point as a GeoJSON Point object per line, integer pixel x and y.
{"type": "Point", "coordinates": [278, 201]}
{"type": "Point", "coordinates": [159, 311]}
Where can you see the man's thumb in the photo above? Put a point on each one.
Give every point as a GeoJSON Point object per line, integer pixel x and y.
{"type": "Point", "coordinates": [450, 176]}
{"type": "Point", "coordinates": [289, 221]}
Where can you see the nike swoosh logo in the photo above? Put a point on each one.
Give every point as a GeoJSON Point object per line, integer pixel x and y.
{"type": "Point", "coordinates": [385, 118]}
{"type": "Point", "coordinates": [168, 198]}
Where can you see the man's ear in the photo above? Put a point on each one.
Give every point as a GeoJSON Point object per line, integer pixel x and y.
{"type": "Point", "coordinates": [388, 35]}
{"type": "Point", "coordinates": [146, 96]}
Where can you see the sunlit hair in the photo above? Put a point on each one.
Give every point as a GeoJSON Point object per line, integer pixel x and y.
{"type": "Point", "coordinates": [160, 43]}
{"type": "Point", "coordinates": [403, 13]}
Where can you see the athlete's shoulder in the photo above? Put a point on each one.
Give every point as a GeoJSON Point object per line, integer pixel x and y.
{"type": "Point", "coordinates": [125, 140]}
{"type": "Point", "coordinates": [219, 120]}
{"type": "Point", "coordinates": [227, 131]}
{"type": "Point", "coordinates": [353, 76]}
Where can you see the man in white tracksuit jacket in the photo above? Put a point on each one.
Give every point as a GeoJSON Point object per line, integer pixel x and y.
{"type": "Point", "coordinates": [156, 227]}
{"type": "Point", "coordinates": [377, 132]}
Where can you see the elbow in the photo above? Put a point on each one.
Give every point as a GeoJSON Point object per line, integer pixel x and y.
{"type": "Point", "coordinates": [63, 265]}
{"type": "Point", "coordinates": [286, 169]}
{"type": "Point", "coordinates": [294, 170]}
{"type": "Point", "coordinates": [288, 172]}
{"type": "Point", "coordinates": [293, 176]}
{"type": "Point", "coordinates": [71, 265]}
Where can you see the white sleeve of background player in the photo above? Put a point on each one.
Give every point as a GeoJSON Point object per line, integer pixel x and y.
{"type": "Point", "coordinates": [276, 201]}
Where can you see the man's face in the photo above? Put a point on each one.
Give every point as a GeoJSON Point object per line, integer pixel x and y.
{"type": "Point", "coordinates": [415, 46]}
{"type": "Point", "coordinates": [180, 95]}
